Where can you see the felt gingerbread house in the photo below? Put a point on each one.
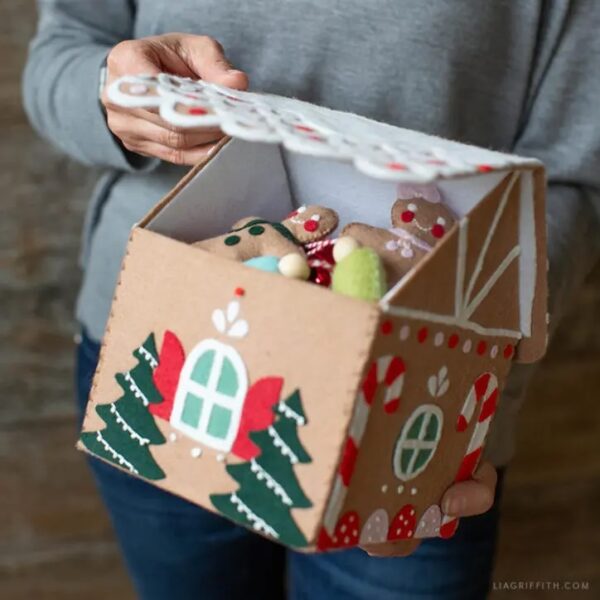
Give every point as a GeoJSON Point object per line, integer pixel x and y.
{"type": "Point", "coordinates": [317, 420]}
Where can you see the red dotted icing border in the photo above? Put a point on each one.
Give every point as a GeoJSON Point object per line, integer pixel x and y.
{"type": "Point", "coordinates": [460, 342]}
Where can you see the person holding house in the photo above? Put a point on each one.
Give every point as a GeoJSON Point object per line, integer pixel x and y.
{"type": "Point", "coordinates": [511, 76]}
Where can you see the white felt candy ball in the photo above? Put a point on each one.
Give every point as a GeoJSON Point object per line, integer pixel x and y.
{"type": "Point", "coordinates": [343, 247]}
{"type": "Point", "coordinates": [295, 266]}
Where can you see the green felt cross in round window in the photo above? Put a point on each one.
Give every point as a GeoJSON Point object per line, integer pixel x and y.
{"type": "Point", "coordinates": [418, 441]}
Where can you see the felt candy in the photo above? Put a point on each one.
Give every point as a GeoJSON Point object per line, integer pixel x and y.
{"type": "Point", "coordinates": [270, 264]}
{"type": "Point", "coordinates": [360, 275]}
{"type": "Point", "coordinates": [295, 266]}
{"type": "Point", "coordinates": [320, 260]}
{"type": "Point", "coordinates": [343, 247]}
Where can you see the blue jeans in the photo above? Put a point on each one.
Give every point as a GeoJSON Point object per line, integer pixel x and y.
{"type": "Point", "coordinates": [175, 550]}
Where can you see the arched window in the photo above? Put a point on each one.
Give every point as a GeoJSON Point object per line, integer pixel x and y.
{"type": "Point", "coordinates": [210, 395]}
{"type": "Point", "coordinates": [418, 441]}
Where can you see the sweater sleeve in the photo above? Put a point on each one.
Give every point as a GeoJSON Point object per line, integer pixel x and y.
{"type": "Point", "coordinates": [62, 75]}
{"type": "Point", "coordinates": [561, 127]}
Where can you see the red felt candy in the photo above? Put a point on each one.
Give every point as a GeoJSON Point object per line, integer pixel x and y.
{"type": "Point", "coordinates": [319, 256]}
{"type": "Point", "coordinates": [403, 524]}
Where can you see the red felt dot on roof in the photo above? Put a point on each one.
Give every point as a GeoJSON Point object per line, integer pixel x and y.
{"type": "Point", "coordinates": [481, 348]}
{"type": "Point", "coordinates": [437, 231]}
{"type": "Point", "coordinates": [239, 291]}
{"type": "Point", "coordinates": [453, 341]}
{"type": "Point", "coordinates": [386, 327]}
{"type": "Point", "coordinates": [311, 225]}
{"type": "Point", "coordinates": [508, 351]}
{"type": "Point", "coordinates": [422, 334]}
{"type": "Point", "coordinates": [197, 110]}
{"type": "Point", "coordinates": [407, 216]}
{"type": "Point", "coordinates": [396, 166]}
{"type": "Point", "coordinates": [484, 168]}
{"type": "Point", "coordinates": [303, 128]}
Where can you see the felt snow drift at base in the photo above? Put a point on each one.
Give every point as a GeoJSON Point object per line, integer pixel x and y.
{"type": "Point", "coordinates": [311, 332]}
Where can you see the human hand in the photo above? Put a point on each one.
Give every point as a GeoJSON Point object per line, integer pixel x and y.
{"type": "Point", "coordinates": [465, 499]}
{"type": "Point", "coordinates": [142, 130]}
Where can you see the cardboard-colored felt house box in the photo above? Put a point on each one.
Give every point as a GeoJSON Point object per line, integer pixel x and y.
{"type": "Point", "coordinates": [318, 420]}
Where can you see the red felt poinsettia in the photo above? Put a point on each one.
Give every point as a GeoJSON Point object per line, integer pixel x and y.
{"type": "Point", "coordinates": [166, 375]}
{"type": "Point", "coordinates": [257, 414]}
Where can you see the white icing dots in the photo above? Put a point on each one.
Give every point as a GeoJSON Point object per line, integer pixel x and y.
{"type": "Point", "coordinates": [172, 437]}
{"type": "Point", "coordinates": [494, 351]}
{"type": "Point", "coordinates": [384, 488]}
{"type": "Point", "coordinates": [220, 457]}
{"type": "Point", "coordinates": [404, 332]}
{"type": "Point", "coordinates": [400, 489]}
{"type": "Point", "coordinates": [196, 452]}
{"type": "Point", "coordinates": [413, 492]}
{"type": "Point", "coordinates": [438, 340]}
{"type": "Point", "coordinates": [467, 346]}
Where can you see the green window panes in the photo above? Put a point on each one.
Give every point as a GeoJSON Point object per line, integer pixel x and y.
{"type": "Point", "coordinates": [422, 459]}
{"type": "Point", "coordinates": [228, 379]}
{"type": "Point", "coordinates": [405, 458]}
{"type": "Point", "coordinates": [415, 428]}
{"type": "Point", "coordinates": [431, 433]}
{"type": "Point", "coordinates": [192, 409]}
{"type": "Point", "coordinates": [219, 421]}
{"type": "Point", "coordinates": [203, 367]}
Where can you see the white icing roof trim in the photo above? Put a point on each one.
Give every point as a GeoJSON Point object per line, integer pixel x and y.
{"type": "Point", "coordinates": [381, 151]}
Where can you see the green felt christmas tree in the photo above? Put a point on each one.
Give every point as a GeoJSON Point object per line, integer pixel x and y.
{"type": "Point", "coordinates": [130, 428]}
{"type": "Point", "coordinates": [269, 488]}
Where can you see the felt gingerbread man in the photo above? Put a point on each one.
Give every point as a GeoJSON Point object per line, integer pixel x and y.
{"type": "Point", "coordinates": [273, 246]}
{"type": "Point", "coordinates": [419, 221]}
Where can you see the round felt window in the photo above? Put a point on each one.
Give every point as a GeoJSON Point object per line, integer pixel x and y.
{"type": "Point", "coordinates": [418, 441]}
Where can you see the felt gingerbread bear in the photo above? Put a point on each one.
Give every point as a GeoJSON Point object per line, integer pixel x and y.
{"type": "Point", "coordinates": [419, 221]}
{"type": "Point", "coordinates": [273, 246]}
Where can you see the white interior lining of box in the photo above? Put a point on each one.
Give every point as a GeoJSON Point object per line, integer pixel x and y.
{"type": "Point", "coordinates": [264, 180]}
{"type": "Point", "coordinates": [243, 179]}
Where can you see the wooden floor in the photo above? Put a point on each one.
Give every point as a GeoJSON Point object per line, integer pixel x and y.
{"type": "Point", "coordinates": [55, 541]}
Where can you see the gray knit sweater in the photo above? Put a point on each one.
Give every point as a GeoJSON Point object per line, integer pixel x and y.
{"type": "Point", "coordinates": [513, 75]}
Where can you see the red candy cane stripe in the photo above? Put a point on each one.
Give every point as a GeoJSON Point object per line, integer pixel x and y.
{"type": "Point", "coordinates": [388, 371]}
{"type": "Point", "coordinates": [483, 394]}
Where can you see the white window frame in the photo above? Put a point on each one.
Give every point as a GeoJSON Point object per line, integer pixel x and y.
{"type": "Point", "coordinates": [417, 444]}
{"type": "Point", "coordinates": [209, 394]}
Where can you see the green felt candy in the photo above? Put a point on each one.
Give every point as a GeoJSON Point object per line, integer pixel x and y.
{"type": "Point", "coordinates": [360, 275]}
